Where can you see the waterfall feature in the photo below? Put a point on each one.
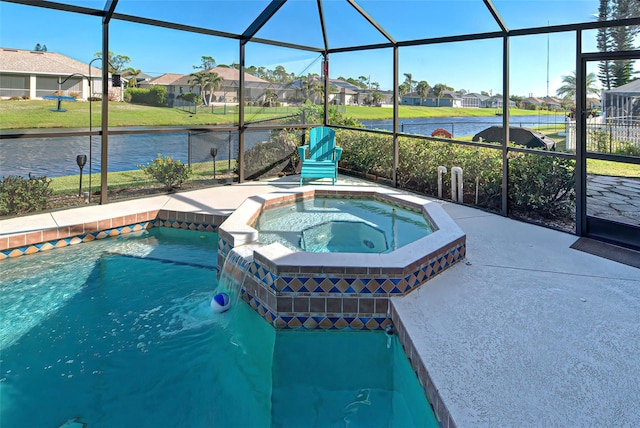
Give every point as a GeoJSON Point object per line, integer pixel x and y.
{"type": "Point", "coordinates": [232, 276]}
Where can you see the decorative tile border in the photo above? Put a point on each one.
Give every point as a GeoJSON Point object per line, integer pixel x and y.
{"type": "Point", "coordinates": [73, 240]}
{"type": "Point", "coordinates": [50, 239]}
{"type": "Point", "coordinates": [332, 302]}
{"type": "Point", "coordinates": [317, 320]}
{"type": "Point", "coordinates": [383, 283]}
{"type": "Point", "coordinates": [175, 224]}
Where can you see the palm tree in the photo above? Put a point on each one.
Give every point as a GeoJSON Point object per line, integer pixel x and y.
{"type": "Point", "coordinates": [131, 74]}
{"type": "Point", "coordinates": [270, 96]}
{"type": "Point", "coordinates": [208, 82]}
{"type": "Point", "coordinates": [439, 90]}
{"type": "Point", "coordinates": [310, 87]}
{"type": "Point", "coordinates": [376, 98]}
{"type": "Point", "coordinates": [403, 89]}
{"type": "Point", "coordinates": [568, 89]}
{"type": "Point", "coordinates": [409, 80]}
{"type": "Point", "coordinates": [215, 83]}
{"type": "Point", "coordinates": [422, 88]}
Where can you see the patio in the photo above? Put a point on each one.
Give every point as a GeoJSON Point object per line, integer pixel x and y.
{"type": "Point", "coordinates": [526, 331]}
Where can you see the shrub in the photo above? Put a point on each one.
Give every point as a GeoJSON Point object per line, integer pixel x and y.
{"type": "Point", "coordinates": [19, 195]}
{"type": "Point", "coordinates": [171, 173]}
{"type": "Point", "coordinates": [598, 140]}
{"type": "Point", "coordinates": [155, 96]}
{"type": "Point", "coordinates": [366, 153]}
{"type": "Point", "coordinates": [158, 96]}
{"type": "Point", "coordinates": [541, 184]}
{"type": "Point", "coordinates": [191, 97]}
{"type": "Point", "coordinates": [629, 149]}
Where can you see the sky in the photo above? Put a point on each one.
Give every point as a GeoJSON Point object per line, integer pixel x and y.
{"type": "Point", "coordinates": [474, 66]}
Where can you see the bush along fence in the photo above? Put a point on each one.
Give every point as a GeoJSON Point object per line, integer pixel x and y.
{"type": "Point", "coordinates": [540, 187]}
{"type": "Point", "coordinates": [19, 195]}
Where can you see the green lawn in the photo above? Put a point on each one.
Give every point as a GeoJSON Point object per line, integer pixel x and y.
{"type": "Point", "coordinates": [135, 178]}
{"type": "Point", "coordinates": [410, 112]}
{"type": "Point", "coordinates": [31, 114]}
{"type": "Point", "coordinates": [616, 169]}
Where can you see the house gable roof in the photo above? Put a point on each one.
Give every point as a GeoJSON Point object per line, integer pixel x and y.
{"type": "Point", "coordinates": [29, 62]}
{"type": "Point", "coordinates": [630, 88]}
{"type": "Point", "coordinates": [227, 74]}
{"type": "Point", "coordinates": [169, 79]}
{"type": "Point", "coordinates": [233, 74]}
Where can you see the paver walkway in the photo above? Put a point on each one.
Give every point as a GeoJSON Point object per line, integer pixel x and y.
{"type": "Point", "coordinates": [614, 198]}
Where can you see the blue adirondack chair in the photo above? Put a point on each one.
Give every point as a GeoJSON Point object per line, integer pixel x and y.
{"type": "Point", "coordinates": [320, 157]}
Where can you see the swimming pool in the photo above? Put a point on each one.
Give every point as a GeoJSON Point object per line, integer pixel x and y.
{"type": "Point", "coordinates": [119, 332]}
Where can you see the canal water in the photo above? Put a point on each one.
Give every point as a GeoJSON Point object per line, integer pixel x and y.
{"type": "Point", "coordinates": [56, 156]}
{"type": "Point", "coordinates": [465, 126]}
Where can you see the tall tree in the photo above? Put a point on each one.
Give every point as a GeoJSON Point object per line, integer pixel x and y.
{"type": "Point", "coordinates": [207, 63]}
{"type": "Point", "coordinates": [376, 98]}
{"type": "Point", "coordinates": [117, 63]}
{"type": "Point", "coordinates": [408, 78]}
{"type": "Point", "coordinates": [403, 89]}
{"type": "Point", "coordinates": [270, 97]}
{"type": "Point", "coordinates": [617, 72]}
{"type": "Point", "coordinates": [604, 45]}
{"type": "Point", "coordinates": [310, 87]}
{"type": "Point", "coordinates": [422, 88]}
{"type": "Point", "coordinates": [208, 83]}
{"type": "Point", "coordinates": [130, 75]}
{"type": "Point", "coordinates": [439, 90]}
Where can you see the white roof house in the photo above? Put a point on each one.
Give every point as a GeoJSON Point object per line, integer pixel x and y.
{"type": "Point", "coordinates": [34, 74]}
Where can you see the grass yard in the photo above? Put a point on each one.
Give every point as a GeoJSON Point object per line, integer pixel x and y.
{"type": "Point", "coordinates": [36, 114]}
{"type": "Point", "coordinates": [616, 169]}
{"type": "Point", "coordinates": [412, 112]}
{"type": "Point", "coordinates": [136, 178]}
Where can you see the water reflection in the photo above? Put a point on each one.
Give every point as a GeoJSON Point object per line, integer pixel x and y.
{"type": "Point", "coordinates": [56, 156]}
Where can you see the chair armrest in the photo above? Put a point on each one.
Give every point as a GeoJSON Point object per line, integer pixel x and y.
{"type": "Point", "coordinates": [302, 150]}
{"type": "Point", "coordinates": [337, 153]}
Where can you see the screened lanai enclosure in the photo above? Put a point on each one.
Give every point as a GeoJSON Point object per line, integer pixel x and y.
{"type": "Point", "coordinates": [96, 94]}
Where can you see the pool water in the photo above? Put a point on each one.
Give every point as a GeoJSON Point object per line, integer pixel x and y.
{"type": "Point", "coordinates": [326, 224]}
{"type": "Point", "coordinates": [119, 332]}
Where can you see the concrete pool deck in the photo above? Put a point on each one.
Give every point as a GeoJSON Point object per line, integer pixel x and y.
{"type": "Point", "coordinates": [525, 332]}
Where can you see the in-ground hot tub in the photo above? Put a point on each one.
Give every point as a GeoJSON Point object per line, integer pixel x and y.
{"type": "Point", "coordinates": [334, 270]}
